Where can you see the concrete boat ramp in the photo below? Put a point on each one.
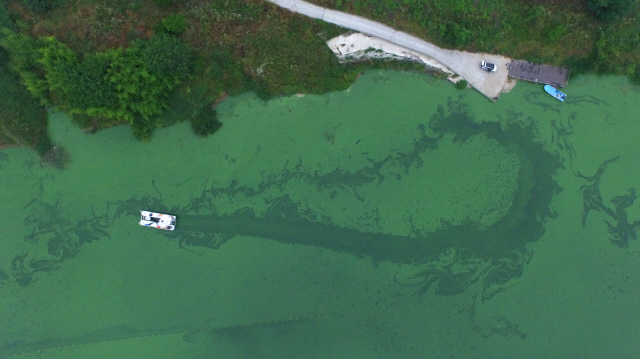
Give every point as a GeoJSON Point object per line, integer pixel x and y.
{"type": "Point", "coordinates": [464, 64]}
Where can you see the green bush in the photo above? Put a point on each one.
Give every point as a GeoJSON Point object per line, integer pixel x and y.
{"type": "Point", "coordinates": [205, 122]}
{"type": "Point", "coordinates": [167, 56]}
{"type": "Point", "coordinates": [40, 6]}
{"type": "Point", "coordinates": [175, 23]}
{"type": "Point", "coordinates": [141, 129]}
{"type": "Point", "coordinates": [5, 17]}
{"type": "Point", "coordinates": [89, 90]}
{"type": "Point", "coordinates": [557, 32]}
{"type": "Point", "coordinates": [22, 119]}
{"type": "Point", "coordinates": [139, 92]}
{"type": "Point", "coordinates": [24, 51]}
{"type": "Point", "coordinates": [163, 2]}
{"type": "Point", "coordinates": [458, 35]}
{"type": "Point", "coordinates": [611, 10]}
{"type": "Point", "coordinates": [82, 87]}
{"type": "Point", "coordinates": [462, 84]}
{"type": "Point", "coordinates": [634, 77]}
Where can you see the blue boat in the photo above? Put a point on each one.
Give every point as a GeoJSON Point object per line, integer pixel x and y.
{"type": "Point", "coordinates": [555, 93]}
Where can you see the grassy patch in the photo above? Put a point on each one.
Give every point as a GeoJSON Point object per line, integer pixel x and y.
{"type": "Point", "coordinates": [553, 32]}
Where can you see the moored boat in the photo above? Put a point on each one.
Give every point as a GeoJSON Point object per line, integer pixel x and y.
{"type": "Point", "coordinates": [555, 92]}
{"type": "Point", "coordinates": [157, 220]}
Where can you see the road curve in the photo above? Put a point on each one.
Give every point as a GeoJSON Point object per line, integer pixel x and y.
{"type": "Point", "coordinates": [464, 64]}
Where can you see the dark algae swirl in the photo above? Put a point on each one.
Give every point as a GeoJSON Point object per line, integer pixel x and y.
{"type": "Point", "coordinates": [492, 255]}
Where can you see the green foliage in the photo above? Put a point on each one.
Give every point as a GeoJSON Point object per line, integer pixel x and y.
{"type": "Point", "coordinates": [614, 46]}
{"type": "Point", "coordinates": [611, 10]}
{"type": "Point", "coordinates": [163, 2]}
{"type": "Point", "coordinates": [5, 17]}
{"type": "Point", "coordinates": [635, 75]}
{"type": "Point", "coordinates": [226, 70]}
{"type": "Point", "coordinates": [205, 122]}
{"type": "Point", "coordinates": [81, 120]}
{"type": "Point", "coordinates": [131, 85]}
{"type": "Point", "coordinates": [175, 23]}
{"type": "Point", "coordinates": [579, 65]}
{"type": "Point", "coordinates": [557, 32]}
{"type": "Point", "coordinates": [22, 119]}
{"type": "Point", "coordinates": [41, 6]}
{"type": "Point", "coordinates": [24, 56]}
{"type": "Point", "coordinates": [139, 92]}
{"type": "Point", "coordinates": [89, 89]}
{"type": "Point", "coordinates": [292, 63]}
{"type": "Point", "coordinates": [24, 50]}
{"type": "Point", "coordinates": [116, 84]}
{"type": "Point", "coordinates": [59, 62]}
{"type": "Point", "coordinates": [235, 10]}
{"type": "Point", "coordinates": [167, 56]}
{"type": "Point", "coordinates": [82, 88]}
{"type": "Point", "coordinates": [549, 31]}
{"type": "Point", "coordinates": [458, 35]}
{"type": "Point", "coordinates": [141, 129]}
{"type": "Point", "coordinates": [534, 14]}
{"type": "Point", "coordinates": [462, 84]}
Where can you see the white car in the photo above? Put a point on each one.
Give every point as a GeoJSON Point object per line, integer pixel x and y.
{"type": "Point", "coordinates": [157, 220]}
{"type": "Point", "coordinates": [488, 66]}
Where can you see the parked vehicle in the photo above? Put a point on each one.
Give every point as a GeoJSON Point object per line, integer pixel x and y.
{"type": "Point", "coordinates": [488, 66]}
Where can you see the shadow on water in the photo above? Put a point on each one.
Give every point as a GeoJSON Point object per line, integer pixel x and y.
{"type": "Point", "coordinates": [228, 334]}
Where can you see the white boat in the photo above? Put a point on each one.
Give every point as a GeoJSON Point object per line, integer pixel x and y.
{"type": "Point", "coordinates": [157, 220]}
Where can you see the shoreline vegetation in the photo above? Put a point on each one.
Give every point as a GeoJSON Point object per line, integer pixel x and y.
{"type": "Point", "coordinates": [155, 63]}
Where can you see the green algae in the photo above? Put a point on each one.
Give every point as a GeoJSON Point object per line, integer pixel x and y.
{"type": "Point", "coordinates": [398, 172]}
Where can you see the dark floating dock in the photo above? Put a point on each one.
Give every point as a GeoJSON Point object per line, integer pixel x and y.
{"type": "Point", "coordinates": [544, 74]}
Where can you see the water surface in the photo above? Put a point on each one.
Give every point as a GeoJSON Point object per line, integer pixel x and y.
{"type": "Point", "coordinates": [400, 218]}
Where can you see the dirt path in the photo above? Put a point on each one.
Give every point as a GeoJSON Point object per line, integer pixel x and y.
{"type": "Point", "coordinates": [465, 64]}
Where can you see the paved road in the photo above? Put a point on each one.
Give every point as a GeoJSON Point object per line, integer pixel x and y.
{"type": "Point", "coordinates": [465, 64]}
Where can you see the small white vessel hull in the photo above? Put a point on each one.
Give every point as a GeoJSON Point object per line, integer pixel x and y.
{"type": "Point", "coordinates": [157, 220]}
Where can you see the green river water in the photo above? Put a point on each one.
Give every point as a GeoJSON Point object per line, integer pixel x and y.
{"type": "Point", "coordinates": [399, 219]}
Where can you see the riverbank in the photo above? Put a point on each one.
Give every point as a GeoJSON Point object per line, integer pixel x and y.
{"type": "Point", "coordinates": [464, 64]}
{"type": "Point", "coordinates": [249, 46]}
{"type": "Point", "coordinates": [354, 47]}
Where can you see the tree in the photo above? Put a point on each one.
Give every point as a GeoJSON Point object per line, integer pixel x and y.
{"type": "Point", "coordinates": [139, 92]}
{"type": "Point", "coordinates": [91, 91]}
{"type": "Point", "coordinates": [40, 6]}
{"type": "Point", "coordinates": [24, 55]}
{"type": "Point", "coordinates": [205, 122]}
{"type": "Point", "coordinates": [167, 56]}
{"type": "Point", "coordinates": [59, 62]}
{"type": "Point", "coordinates": [22, 119]}
{"type": "Point", "coordinates": [163, 2]}
{"type": "Point", "coordinates": [611, 10]}
{"type": "Point", "coordinates": [175, 23]}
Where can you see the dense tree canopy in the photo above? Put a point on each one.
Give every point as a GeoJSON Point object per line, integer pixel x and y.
{"type": "Point", "coordinates": [22, 119]}
{"type": "Point", "coordinates": [167, 56]}
{"type": "Point", "coordinates": [175, 23]}
{"type": "Point", "coordinates": [611, 10]}
{"type": "Point", "coordinates": [131, 85]}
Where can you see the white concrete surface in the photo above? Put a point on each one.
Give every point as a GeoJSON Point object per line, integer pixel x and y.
{"type": "Point", "coordinates": [465, 64]}
{"type": "Point", "coordinates": [355, 46]}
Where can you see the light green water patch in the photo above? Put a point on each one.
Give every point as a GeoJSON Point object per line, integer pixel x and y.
{"type": "Point", "coordinates": [379, 221]}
